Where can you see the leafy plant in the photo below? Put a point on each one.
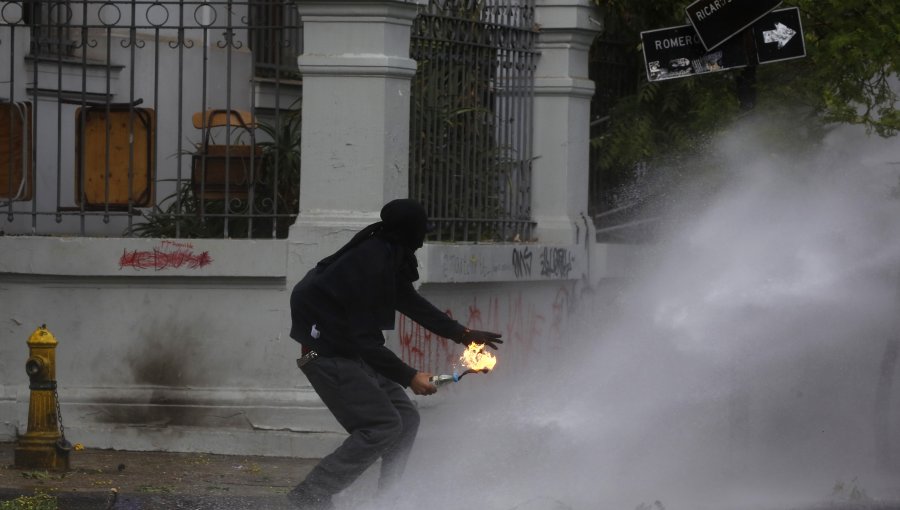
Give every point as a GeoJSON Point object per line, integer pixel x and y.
{"type": "Point", "coordinates": [281, 183]}
{"type": "Point", "coordinates": [659, 126]}
{"type": "Point", "coordinates": [468, 180]}
{"type": "Point", "coordinates": [174, 216]}
{"type": "Point", "coordinates": [40, 501]}
{"type": "Point", "coordinates": [36, 475]}
{"type": "Point", "coordinates": [270, 213]}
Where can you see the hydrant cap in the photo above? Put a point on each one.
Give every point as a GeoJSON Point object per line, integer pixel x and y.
{"type": "Point", "coordinates": [42, 337]}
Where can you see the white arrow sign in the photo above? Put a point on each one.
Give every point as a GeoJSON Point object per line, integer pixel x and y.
{"type": "Point", "coordinates": [781, 35]}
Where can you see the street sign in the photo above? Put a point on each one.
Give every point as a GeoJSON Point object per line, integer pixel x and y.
{"type": "Point", "coordinates": [676, 52]}
{"type": "Point", "coordinates": [779, 36]}
{"type": "Point", "coordinates": [716, 21]}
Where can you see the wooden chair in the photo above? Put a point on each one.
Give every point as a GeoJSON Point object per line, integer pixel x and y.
{"type": "Point", "coordinates": [220, 172]}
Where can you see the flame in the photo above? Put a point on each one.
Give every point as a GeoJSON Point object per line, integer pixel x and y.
{"type": "Point", "coordinates": [475, 357]}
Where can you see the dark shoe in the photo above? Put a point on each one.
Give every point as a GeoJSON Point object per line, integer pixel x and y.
{"type": "Point", "coordinates": [304, 501]}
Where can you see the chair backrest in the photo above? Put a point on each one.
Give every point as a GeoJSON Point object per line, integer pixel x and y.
{"type": "Point", "coordinates": [220, 117]}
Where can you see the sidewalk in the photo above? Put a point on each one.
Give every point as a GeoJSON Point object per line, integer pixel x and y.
{"type": "Point", "coordinates": [127, 480]}
{"type": "Point", "coordinates": [102, 479]}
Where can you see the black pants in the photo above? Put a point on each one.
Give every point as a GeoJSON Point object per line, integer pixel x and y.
{"type": "Point", "coordinates": [377, 413]}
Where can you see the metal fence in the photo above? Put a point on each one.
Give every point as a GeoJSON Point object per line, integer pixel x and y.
{"type": "Point", "coordinates": [180, 118]}
{"type": "Point", "coordinates": [149, 118]}
{"type": "Point", "coordinates": [619, 216]}
{"type": "Point", "coordinates": [471, 120]}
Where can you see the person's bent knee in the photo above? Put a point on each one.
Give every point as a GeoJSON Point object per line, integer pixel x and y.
{"type": "Point", "coordinates": [384, 435]}
{"type": "Point", "coordinates": [411, 420]}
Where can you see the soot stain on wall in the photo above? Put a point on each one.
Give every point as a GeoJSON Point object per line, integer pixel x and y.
{"type": "Point", "coordinates": [168, 354]}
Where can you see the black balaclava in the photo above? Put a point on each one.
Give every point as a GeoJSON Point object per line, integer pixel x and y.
{"type": "Point", "coordinates": [403, 222]}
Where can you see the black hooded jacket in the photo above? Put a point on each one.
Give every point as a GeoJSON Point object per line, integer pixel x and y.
{"type": "Point", "coordinates": [353, 295]}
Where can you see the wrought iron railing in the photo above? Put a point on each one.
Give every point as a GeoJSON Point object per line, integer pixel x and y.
{"type": "Point", "coordinates": [102, 123]}
{"type": "Point", "coordinates": [619, 215]}
{"type": "Point", "coordinates": [611, 67]}
{"type": "Point", "coordinates": [470, 131]}
{"type": "Point", "coordinates": [102, 130]}
{"type": "Point", "coordinates": [276, 50]}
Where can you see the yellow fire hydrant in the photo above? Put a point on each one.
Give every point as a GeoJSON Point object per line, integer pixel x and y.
{"type": "Point", "coordinates": [44, 446]}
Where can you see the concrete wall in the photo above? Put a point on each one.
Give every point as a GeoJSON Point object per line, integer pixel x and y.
{"type": "Point", "coordinates": [183, 345]}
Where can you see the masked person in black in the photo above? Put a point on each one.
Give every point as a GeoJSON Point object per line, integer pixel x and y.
{"type": "Point", "coordinates": [338, 311]}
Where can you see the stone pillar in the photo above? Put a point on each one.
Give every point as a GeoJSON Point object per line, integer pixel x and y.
{"type": "Point", "coordinates": [562, 106]}
{"type": "Point", "coordinates": [355, 136]}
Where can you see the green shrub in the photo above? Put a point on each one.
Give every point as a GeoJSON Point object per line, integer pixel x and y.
{"type": "Point", "coordinates": [40, 501]}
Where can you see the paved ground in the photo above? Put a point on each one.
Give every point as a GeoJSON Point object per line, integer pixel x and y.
{"type": "Point", "coordinates": [158, 480]}
{"type": "Point", "coordinates": [126, 480]}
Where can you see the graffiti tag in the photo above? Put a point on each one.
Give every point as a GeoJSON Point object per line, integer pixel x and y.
{"type": "Point", "coordinates": [556, 262]}
{"type": "Point", "coordinates": [521, 262]}
{"type": "Point", "coordinates": [168, 255]}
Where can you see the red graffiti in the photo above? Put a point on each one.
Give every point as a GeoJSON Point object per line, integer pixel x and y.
{"type": "Point", "coordinates": [423, 349]}
{"type": "Point", "coordinates": [524, 325]}
{"type": "Point", "coordinates": [562, 307]}
{"type": "Point", "coordinates": [526, 330]}
{"type": "Point", "coordinates": [476, 320]}
{"type": "Point", "coordinates": [169, 255]}
{"type": "Point", "coordinates": [177, 244]}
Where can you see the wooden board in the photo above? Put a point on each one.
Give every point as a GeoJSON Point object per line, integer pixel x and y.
{"type": "Point", "coordinates": [16, 175]}
{"type": "Point", "coordinates": [105, 162]}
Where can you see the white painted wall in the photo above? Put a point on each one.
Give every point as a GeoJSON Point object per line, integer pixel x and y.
{"type": "Point", "coordinates": [183, 345]}
{"type": "Point", "coordinates": [191, 352]}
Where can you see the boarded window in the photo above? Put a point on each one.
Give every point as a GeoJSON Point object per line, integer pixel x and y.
{"type": "Point", "coordinates": [110, 170]}
{"type": "Point", "coordinates": [16, 176]}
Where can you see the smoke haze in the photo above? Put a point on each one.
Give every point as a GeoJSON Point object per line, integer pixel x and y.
{"type": "Point", "coordinates": [737, 369]}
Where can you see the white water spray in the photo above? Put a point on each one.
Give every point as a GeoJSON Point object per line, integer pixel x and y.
{"type": "Point", "coordinates": [738, 369]}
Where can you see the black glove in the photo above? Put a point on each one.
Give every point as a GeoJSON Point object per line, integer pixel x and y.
{"type": "Point", "coordinates": [480, 337]}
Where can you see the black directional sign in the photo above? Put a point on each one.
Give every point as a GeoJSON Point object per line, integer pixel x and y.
{"type": "Point", "coordinates": [676, 52]}
{"type": "Point", "coordinates": [779, 36]}
{"type": "Point", "coordinates": [718, 20]}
